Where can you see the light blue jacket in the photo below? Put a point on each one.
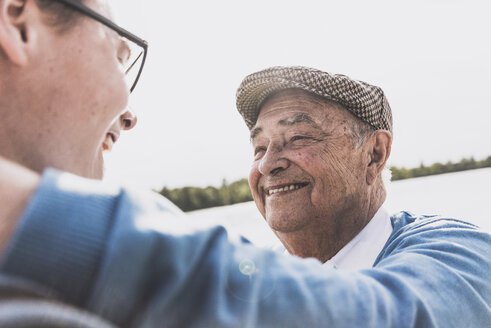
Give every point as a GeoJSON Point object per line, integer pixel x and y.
{"type": "Point", "coordinates": [132, 259]}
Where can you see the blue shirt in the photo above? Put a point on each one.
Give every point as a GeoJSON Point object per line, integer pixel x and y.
{"type": "Point", "coordinates": [131, 258]}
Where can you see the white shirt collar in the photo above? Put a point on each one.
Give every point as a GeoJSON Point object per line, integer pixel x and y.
{"type": "Point", "coordinates": [361, 252]}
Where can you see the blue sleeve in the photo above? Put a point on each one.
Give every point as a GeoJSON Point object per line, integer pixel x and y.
{"type": "Point", "coordinates": [439, 268]}
{"type": "Point", "coordinates": [135, 261]}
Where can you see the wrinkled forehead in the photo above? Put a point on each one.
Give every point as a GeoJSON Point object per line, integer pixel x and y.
{"type": "Point", "coordinates": [293, 106]}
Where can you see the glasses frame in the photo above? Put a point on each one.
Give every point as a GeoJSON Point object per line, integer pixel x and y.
{"type": "Point", "coordinates": [80, 7]}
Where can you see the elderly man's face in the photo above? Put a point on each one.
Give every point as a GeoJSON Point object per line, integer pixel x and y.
{"type": "Point", "coordinates": [307, 172]}
{"type": "Point", "coordinates": [70, 92]}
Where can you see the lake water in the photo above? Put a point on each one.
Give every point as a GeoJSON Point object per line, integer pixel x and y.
{"type": "Point", "coordinates": [465, 195]}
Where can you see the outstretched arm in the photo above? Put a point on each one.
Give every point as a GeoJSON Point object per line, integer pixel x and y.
{"type": "Point", "coordinates": [133, 261]}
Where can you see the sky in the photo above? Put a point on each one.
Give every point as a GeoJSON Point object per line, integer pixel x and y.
{"type": "Point", "coordinates": [432, 58]}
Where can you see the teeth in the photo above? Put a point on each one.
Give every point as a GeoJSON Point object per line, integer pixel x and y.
{"type": "Point", "coordinates": [108, 143]}
{"type": "Point", "coordinates": [285, 188]}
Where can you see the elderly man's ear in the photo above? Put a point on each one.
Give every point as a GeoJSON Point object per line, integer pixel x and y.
{"type": "Point", "coordinates": [16, 29]}
{"type": "Point", "coordinates": [379, 150]}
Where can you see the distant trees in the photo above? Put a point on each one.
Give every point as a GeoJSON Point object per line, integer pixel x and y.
{"type": "Point", "coordinates": [194, 198]}
{"type": "Point", "coordinates": [439, 168]}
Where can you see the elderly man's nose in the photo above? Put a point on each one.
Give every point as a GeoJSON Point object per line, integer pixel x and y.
{"type": "Point", "coordinates": [128, 120]}
{"type": "Point", "coordinates": [273, 162]}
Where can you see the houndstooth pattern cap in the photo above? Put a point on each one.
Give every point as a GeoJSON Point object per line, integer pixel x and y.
{"type": "Point", "coordinates": [365, 101]}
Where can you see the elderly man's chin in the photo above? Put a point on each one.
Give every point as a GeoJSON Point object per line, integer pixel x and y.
{"type": "Point", "coordinates": [285, 220]}
{"type": "Point", "coordinates": [287, 213]}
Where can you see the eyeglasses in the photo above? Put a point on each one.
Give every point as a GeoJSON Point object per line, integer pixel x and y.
{"type": "Point", "coordinates": [133, 65]}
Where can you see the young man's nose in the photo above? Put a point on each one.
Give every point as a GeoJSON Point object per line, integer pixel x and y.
{"type": "Point", "coordinates": [128, 120]}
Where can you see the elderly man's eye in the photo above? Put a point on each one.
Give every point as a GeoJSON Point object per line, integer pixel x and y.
{"type": "Point", "coordinates": [258, 151]}
{"type": "Point", "coordinates": [295, 138]}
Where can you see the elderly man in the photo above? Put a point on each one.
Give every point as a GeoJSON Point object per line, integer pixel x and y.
{"type": "Point", "coordinates": [78, 253]}
{"type": "Point", "coordinates": [321, 142]}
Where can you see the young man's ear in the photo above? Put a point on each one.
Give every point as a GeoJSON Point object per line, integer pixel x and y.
{"type": "Point", "coordinates": [14, 32]}
{"type": "Point", "coordinates": [379, 151]}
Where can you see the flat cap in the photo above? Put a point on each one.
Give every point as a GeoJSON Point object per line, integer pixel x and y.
{"type": "Point", "coordinates": [365, 101]}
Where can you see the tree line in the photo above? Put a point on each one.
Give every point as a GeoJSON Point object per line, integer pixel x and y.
{"type": "Point", "coordinates": [195, 198]}
{"type": "Point", "coordinates": [439, 168]}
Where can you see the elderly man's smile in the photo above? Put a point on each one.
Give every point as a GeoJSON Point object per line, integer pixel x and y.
{"type": "Point", "coordinates": [284, 189]}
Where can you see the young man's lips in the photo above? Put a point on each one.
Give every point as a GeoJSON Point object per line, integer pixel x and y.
{"type": "Point", "coordinates": [284, 188]}
{"type": "Point", "coordinates": [111, 137]}
{"type": "Point", "coordinates": [108, 143]}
